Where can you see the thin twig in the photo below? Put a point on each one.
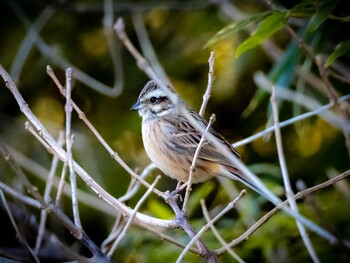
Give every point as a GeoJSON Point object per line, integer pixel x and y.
{"type": "Point", "coordinates": [61, 217]}
{"type": "Point", "coordinates": [205, 227]}
{"type": "Point", "coordinates": [57, 213]}
{"type": "Point", "coordinates": [69, 143]}
{"type": "Point", "coordinates": [268, 215]}
{"type": "Point", "coordinates": [211, 78]}
{"type": "Point", "coordinates": [286, 180]}
{"type": "Point", "coordinates": [217, 234]}
{"type": "Point", "coordinates": [290, 121]}
{"type": "Point", "coordinates": [27, 43]}
{"type": "Point", "coordinates": [142, 62]}
{"type": "Point", "coordinates": [304, 100]}
{"type": "Point", "coordinates": [31, 189]}
{"type": "Point", "coordinates": [59, 60]}
{"type": "Point", "coordinates": [184, 223]}
{"type": "Point", "coordinates": [61, 184]}
{"type": "Point", "coordinates": [146, 46]}
{"type": "Point", "coordinates": [41, 172]}
{"type": "Point", "coordinates": [137, 207]}
{"type": "Point", "coordinates": [114, 48]}
{"type": "Point", "coordinates": [194, 163]}
{"type": "Point", "coordinates": [28, 126]}
{"type": "Point", "coordinates": [136, 187]}
{"type": "Point", "coordinates": [18, 233]}
{"type": "Point", "coordinates": [21, 197]}
{"type": "Point", "coordinates": [47, 192]}
{"type": "Point", "coordinates": [116, 229]}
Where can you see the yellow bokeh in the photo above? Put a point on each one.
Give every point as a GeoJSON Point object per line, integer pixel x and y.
{"type": "Point", "coordinates": [265, 146]}
{"type": "Point", "coordinates": [94, 43]}
{"type": "Point", "coordinates": [310, 137]}
{"type": "Point", "coordinates": [157, 16]}
{"type": "Point", "coordinates": [225, 67]}
{"type": "Point", "coordinates": [50, 112]}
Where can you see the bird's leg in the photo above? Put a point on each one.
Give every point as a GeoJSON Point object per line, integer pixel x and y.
{"type": "Point", "coordinates": [179, 183]}
{"type": "Point", "coordinates": [175, 195]}
{"type": "Point", "coordinates": [179, 187]}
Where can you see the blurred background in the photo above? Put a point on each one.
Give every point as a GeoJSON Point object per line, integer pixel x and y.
{"type": "Point", "coordinates": [107, 82]}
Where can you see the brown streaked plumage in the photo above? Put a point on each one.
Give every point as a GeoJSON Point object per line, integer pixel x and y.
{"type": "Point", "coordinates": [170, 140]}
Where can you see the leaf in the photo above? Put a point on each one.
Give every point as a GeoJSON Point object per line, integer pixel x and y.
{"type": "Point", "coordinates": [326, 7]}
{"type": "Point", "coordinates": [304, 9]}
{"type": "Point", "coordinates": [159, 209]}
{"type": "Point", "coordinates": [269, 26]}
{"type": "Point", "coordinates": [236, 27]}
{"type": "Point", "coordinates": [340, 50]}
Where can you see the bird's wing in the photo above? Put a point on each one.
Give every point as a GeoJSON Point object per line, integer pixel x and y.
{"type": "Point", "coordinates": [189, 139]}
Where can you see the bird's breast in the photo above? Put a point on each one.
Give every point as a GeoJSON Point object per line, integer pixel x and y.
{"type": "Point", "coordinates": [157, 143]}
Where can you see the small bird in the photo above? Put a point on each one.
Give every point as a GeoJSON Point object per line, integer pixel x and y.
{"type": "Point", "coordinates": [170, 140]}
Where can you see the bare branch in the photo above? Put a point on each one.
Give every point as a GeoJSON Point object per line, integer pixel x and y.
{"type": "Point", "coordinates": [18, 233]}
{"type": "Point", "coordinates": [194, 162]}
{"type": "Point", "coordinates": [142, 62]}
{"type": "Point", "coordinates": [17, 195]}
{"type": "Point", "coordinates": [147, 47]}
{"type": "Point", "coordinates": [48, 187]}
{"type": "Point", "coordinates": [268, 215]}
{"type": "Point", "coordinates": [285, 175]}
{"type": "Point", "coordinates": [58, 151]}
{"type": "Point", "coordinates": [304, 100]}
{"type": "Point", "coordinates": [205, 227]}
{"type": "Point", "coordinates": [57, 59]}
{"type": "Point", "coordinates": [183, 222]}
{"type": "Point", "coordinates": [290, 121]}
{"type": "Point", "coordinates": [211, 78]}
{"type": "Point", "coordinates": [61, 217]}
{"type": "Point", "coordinates": [40, 172]}
{"type": "Point", "coordinates": [61, 184]}
{"type": "Point", "coordinates": [137, 207]}
{"type": "Point", "coordinates": [29, 40]}
{"type": "Point", "coordinates": [136, 187]}
{"type": "Point", "coordinates": [217, 234]}
{"type": "Point", "coordinates": [69, 144]}
{"type": "Point", "coordinates": [114, 48]}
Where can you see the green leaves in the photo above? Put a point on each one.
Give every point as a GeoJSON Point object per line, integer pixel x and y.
{"type": "Point", "coordinates": [237, 26]}
{"type": "Point", "coordinates": [269, 26]}
{"type": "Point", "coordinates": [340, 50]}
{"type": "Point", "coordinates": [323, 11]}
{"type": "Point", "coordinates": [269, 22]}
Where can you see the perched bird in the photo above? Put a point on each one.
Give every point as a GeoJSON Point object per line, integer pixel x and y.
{"type": "Point", "coordinates": [170, 140]}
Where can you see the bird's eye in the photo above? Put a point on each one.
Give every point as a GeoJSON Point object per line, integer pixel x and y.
{"type": "Point", "coordinates": [153, 99]}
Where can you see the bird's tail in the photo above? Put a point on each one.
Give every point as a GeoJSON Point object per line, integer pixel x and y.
{"type": "Point", "coordinates": [239, 176]}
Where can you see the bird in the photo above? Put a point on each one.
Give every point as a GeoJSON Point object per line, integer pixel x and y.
{"type": "Point", "coordinates": [170, 140]}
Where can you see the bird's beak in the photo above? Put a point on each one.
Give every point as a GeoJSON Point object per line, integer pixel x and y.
{"type": "Point", "coordinates": [137, 106]}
